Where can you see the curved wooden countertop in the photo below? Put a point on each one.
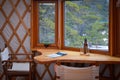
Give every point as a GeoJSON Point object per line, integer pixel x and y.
{"type": "Point", "coordinates": [74, 56]}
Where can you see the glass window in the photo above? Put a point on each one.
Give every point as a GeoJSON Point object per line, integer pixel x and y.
{"type": "Point", "coordinates": [86, 19]}
{"type": "Point", "coordinates": [46, 23]}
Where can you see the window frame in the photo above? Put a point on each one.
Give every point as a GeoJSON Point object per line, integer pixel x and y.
{"type": "Point", "coordinates": [59, 44]}
{"type": "Point", "coordinates": [110, 32]}
{"type": "Point", "coordinates": [35, 30]}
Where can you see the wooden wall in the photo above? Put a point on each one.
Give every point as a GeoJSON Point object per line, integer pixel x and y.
{"type": "Point", "coordinates": [15, 25]}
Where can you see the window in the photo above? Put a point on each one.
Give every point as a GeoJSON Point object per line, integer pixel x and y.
{"type": "Point", "coordinates": [46, 21]}
{"type": "Point", "coordinates": [65, 24]}
{"type": "Point", "coordinates": [86, 19]}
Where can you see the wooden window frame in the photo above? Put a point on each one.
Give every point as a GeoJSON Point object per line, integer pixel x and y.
{"type": "Point", "coordinates": [112, 23]}
{"type": "Point", "coordinates": [59, 43]}
{"type": "Point", "coordinates": [35, 26]}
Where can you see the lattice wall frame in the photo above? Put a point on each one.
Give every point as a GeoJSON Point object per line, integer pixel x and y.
{"type": "Point", "coordinates": [15, 24]}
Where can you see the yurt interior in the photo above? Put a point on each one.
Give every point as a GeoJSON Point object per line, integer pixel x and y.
{"type": "Point", "coordinates": [59, 39]}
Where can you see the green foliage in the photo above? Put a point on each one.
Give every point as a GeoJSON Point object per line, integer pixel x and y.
{"type": "Point", "coordinates": [74, 18]}
{"type": "Point", "coordinates": [96, 33]}
{"type": "Point", "coordinates": [42, 11]}
{"type": "Point", "coordinates": [88, 20]}
{"type": "Point", "coordinates": [72, 5]}
{"type": "Point", "coordinates": [84, 7]}
{"type": "Point", "coordinates": [83, 19]}
{"type": "Point", "coordinates": [49, 23]}
{"type": "Point", "coordinates": [91, 17]}
{"type": "Point", "coordinates": [99, 6]}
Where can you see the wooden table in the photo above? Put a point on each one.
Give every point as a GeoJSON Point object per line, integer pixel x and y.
{"type": "Point", "coordinates": [74, 56]}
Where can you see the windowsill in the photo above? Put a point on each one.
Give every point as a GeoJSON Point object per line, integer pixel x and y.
{"type": "Point", "coordinates": [104, 52]}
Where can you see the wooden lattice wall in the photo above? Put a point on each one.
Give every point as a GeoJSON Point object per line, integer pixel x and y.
{"type": "Point", "coordinates": [15, 24]}
{"type": "Point", "coordinates": [15, 30]}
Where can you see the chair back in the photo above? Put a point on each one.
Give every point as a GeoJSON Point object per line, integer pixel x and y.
{"type": "Point", "coordinates": [5, 54]}
{"type": "Point", "coordinates": [18, 64]}
{"type": "Point", "coordinates": [1, 67]}
{"type": "Point", "coordinates": [0, 62]}
{"type": "Point", "coordinates": [76, 73]}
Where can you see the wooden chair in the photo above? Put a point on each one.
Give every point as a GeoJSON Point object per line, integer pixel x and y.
{"type": "Point", "coordinates": [76, 73]}
{"type": "Point", "coordinates": [20, 64]}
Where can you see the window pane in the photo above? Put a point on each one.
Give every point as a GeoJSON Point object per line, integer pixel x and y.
{"type": "Point", "coordinates": [46, 22]}
{"type": "Point", "coordinates": [87, 19]}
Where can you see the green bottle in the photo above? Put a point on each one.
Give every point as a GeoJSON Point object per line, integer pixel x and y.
{"type": "Point", "coordinates": [85, 46]}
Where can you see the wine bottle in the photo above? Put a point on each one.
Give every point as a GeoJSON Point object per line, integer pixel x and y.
{"type": "Point", "coordinates": [85, 46]}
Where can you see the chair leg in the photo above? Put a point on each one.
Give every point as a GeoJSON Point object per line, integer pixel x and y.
{"type": "Point", "coordinates": [30, 76]}
{"type": "Point", "coordinates": [6, 77]}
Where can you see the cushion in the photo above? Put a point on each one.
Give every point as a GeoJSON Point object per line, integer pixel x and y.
{"type": "Point", "coordinates": [20, 67]}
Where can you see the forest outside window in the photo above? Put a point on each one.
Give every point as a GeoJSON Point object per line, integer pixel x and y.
{"type": "Point", "coordinates": [86, 19]}
{"type": "Point", "coordinates": [46, 21]}
{"type": "Point", "coordinates": [78, 19]}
